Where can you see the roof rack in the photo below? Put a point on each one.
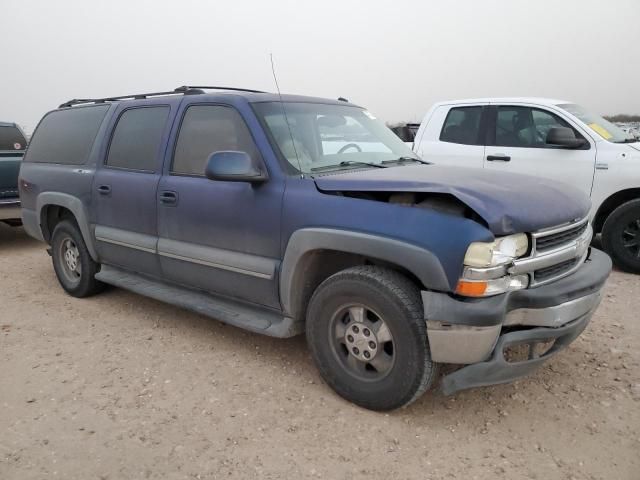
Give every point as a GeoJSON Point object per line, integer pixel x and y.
{"type": "Point", "coordinates": [184, 90]}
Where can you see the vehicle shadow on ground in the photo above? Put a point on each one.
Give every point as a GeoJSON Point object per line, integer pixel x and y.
{"type": "Point", "coordinates": [14, 238]}
{"type": "Point", "coordinates": [193, 327]}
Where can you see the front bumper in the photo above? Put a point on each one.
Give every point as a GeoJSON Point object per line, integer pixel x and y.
{"type": "Point", "coordinates": [9, 209]}
{"type": "Point", "coordinates": [477, 332]}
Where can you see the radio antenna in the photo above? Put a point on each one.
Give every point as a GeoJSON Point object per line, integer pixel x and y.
{"type": "Point", "coordinates": [286, 119]}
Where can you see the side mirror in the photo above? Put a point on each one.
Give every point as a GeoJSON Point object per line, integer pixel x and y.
{"type": "Point", "coordinates": [233, 166]}
{"type": "Point", "coordinates": [564, 137]}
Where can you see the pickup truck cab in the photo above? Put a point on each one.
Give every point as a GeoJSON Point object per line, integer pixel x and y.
{"type": "Point", "coordinates": [12, 146]}
{"type": "Point", "coordinates": [554, 139]}
{"type": "Point", "coordinates": [290, 214]}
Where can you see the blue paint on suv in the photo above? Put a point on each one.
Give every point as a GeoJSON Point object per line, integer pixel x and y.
{"type": "Point", "coordinates": [289, 214]}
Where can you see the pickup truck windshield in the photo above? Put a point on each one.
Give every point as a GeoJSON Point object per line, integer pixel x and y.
{"type": "Point", "coordinates": [12, 139]}
{"type": "Point", "coordinates": [324, 137]}
{"type": "Point", "coordinates": [602, 127]}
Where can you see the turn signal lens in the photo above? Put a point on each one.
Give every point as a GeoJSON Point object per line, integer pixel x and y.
{"type": "Point", "coordinates": [496, 286]}
{"type": "Point", "coordinates": [471, 289]}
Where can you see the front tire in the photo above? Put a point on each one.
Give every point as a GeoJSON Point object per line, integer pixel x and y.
{"type": "Point", "coordinates": [72, 262]}
{"type": "Point", "coordinates": [367, 335]}
{"type": "Point", "coordinates": [621, 236]}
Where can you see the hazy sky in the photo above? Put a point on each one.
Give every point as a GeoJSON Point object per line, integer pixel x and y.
{"type": "Point", "coordinates": [396, 58]}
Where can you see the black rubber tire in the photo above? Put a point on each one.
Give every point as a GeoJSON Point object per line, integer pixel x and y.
{"type": "Point", "coordinates": [400, 305]}
{"type": "Point", "coordinates": [613, 238]}
{"type": "Point", "coordinates": [87, 284]}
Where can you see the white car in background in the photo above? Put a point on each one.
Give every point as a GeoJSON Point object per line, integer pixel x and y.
{"type": "Point", "coordinates": [550, 138]}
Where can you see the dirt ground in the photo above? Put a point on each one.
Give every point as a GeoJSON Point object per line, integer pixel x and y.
{"type": "Point", "coordinates": [119, 386]}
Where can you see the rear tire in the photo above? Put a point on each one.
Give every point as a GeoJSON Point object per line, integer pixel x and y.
{"type": "Point", "coordinates": [367, 335]}
{"type": "Point", "coordinates": [72, 262]}
{"type": "Point", "coordinates": [621, 236]}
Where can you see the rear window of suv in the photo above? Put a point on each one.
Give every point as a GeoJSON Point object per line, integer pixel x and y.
{"type": "Point", "coordinates": [11, 138]}
{"type": "Point", "coordinates": [66, 136]}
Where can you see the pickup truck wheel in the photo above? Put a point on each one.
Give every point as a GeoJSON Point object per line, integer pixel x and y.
{"type": "Point", "coordinates": [621, 236]}
{"type": "Point", "coordinates": [367, 335]}
{"type": "Point", "coordinates": [72, 262]}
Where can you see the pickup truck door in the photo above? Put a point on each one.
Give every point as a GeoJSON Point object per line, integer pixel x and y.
{"type": "Point", "coordinates": [125, 186]}
{"type": "Point", "coordinates": [222, 237]}
{"type": "Point", "coordinates": [516, 142]}
{"type": "Point", "coordinates": [453, 135]}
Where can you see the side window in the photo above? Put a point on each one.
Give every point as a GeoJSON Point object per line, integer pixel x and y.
{"type": "Point", "coordinates": [525, 127]}
{"type": "Point", "coordinates": [544, 121]}
{"type": "Point", "coordinates": [136, 138]}
{"type": "Point", "coordinates": [66, 136]}
{"type": "Point", "coordinates": [514, 127]}
{"type": "Point", "coordinates": [207, 129]}
{"type": "Point", "coordinates": [462, 125]}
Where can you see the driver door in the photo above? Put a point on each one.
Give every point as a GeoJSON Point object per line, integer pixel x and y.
{"type": "Point", "coordinates": [517, 143]}
{"type": "Point", "coordinates": [218, 236]}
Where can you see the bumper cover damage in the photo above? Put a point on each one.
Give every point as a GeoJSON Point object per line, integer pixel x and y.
{"type": "Point", "coordinates": [478, 333]}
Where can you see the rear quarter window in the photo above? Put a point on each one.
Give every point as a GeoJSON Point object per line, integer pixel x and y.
{"type": "Point", "coordinates": [11, 139]}
{"type": "Point", "coordinates": [66, 136]}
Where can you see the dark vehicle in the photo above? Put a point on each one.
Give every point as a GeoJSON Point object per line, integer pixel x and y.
{"type": "Point", "coordinates": [12, 146]}
{"type": "Point", "coordinates": [292, 214]}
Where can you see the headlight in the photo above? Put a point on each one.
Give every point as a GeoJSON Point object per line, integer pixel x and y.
{"type": "Point", "coordinates": [485, 272]}
{"type": "Point", "coordinates": [499, 252]}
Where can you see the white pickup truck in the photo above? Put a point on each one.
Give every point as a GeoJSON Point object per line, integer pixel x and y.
{"type": "Point", "coordinates": [549, 138]}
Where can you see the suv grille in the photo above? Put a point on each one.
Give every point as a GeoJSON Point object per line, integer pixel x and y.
{"type": "Point", "coordinates": [554, 271]}
{"type": "Point", "coordinates": [556, 253]}
{"type": "Point", "coordinates": [549, 242]}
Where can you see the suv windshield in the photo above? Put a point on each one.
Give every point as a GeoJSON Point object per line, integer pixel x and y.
{"type": "Point", "coordinates": [11, 138]}
{"type": "Point", "coordinates": [602, 127]}
{"type": "Point", "coordinates": [323, 137]}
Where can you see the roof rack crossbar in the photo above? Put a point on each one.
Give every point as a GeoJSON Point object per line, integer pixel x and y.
{"type": "Point", "coordinates": [184, 89]}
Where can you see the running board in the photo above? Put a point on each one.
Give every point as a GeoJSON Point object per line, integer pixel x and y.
{"type": "Point", "coordinates": [255, 319]}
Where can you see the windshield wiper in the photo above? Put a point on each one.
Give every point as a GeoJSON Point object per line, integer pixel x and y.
{"type": "Point", "coordinates": [407, 159]}
{"type": "Point", "coordinates": [346, 163]}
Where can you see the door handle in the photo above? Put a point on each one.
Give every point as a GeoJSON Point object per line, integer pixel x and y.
{"type": "Point", "coordinates": [104, 190]}
{"type": "Point", "coordinates": [169, 198]}
{"type": "Point", "coordinates": [498, 158]}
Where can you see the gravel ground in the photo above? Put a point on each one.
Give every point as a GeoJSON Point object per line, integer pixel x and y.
{"type": "Point", "coordinates": [120, 386]}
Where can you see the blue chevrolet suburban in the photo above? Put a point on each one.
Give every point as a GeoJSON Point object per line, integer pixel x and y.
{"type": "Point", "coordinates": [291, 214]}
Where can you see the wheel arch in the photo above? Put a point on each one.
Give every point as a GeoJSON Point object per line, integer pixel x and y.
{"type": "Point", "coordinates": [54, 206]}
{"type": "Point", "coordinates": [611, 203]}
{"type": "Point", "coordinates": [314, 254]}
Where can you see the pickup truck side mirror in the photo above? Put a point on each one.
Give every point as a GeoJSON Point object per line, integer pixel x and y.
{"type": "Point", "coordinates": [234, 166]}
{"type": "Point", "coordinates": [564, 137]}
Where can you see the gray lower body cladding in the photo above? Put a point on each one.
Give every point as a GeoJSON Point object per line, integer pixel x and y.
{"type": "Point", "coordinates": [478, 333]}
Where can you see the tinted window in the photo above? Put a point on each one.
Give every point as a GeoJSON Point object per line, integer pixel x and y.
{"type": "Point", "coordinates": [206, 129]}
{"type": "Point", "coordinates": [462, 125]}
{"type": "Point", "coordinates": [11, 139]}
{"type": "Point", "coordinates": [66, 136]}
{"type": "Point", "coordinates": [525, 127]}
{"type": "Point", "coordinates": [136, 138]}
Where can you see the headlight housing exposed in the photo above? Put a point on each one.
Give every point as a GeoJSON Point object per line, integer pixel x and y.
{"type": "Point", "coordinates": [499, 252]}
{"type": "Point", "coordinates": [485, 267]}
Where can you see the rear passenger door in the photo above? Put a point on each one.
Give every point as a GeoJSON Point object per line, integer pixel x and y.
{"type": "Point", "coordinates": [517, 143]}
{"type": "Point", "coordinates": [454, 136]}
{"type": "Point", "coordinates": [125, 187]}
{"type": "Point", "coordinates": [219, 236]}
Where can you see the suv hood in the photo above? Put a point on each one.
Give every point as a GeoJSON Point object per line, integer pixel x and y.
{"type": "Point", "coordinates": [509, 203]}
